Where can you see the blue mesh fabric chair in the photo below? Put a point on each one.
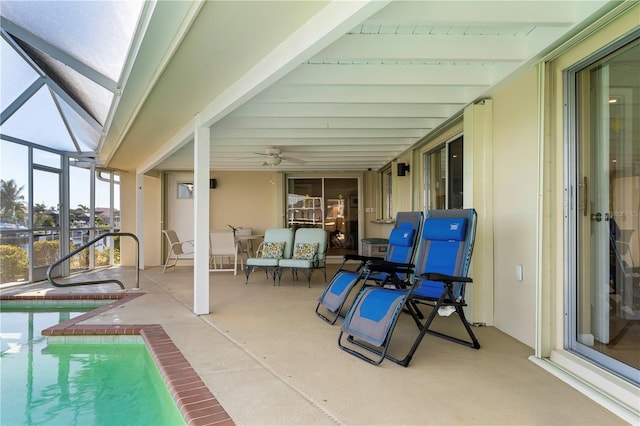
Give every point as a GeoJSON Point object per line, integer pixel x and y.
{"type": "Point", "coordinates": [440, 276]}
{"type": "Point", "coordinates": [402, 245]}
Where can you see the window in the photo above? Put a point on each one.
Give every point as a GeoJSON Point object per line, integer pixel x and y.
{"type": "Point", "coordinates": [444, 176]}
{"type": "Point", "coordinates": [387, 194]}
{"type": "Point", "coordinates": [185, 190]}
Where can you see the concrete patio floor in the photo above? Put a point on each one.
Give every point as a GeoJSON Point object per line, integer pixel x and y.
{"type": "Point", "coordinates": [269, 359]}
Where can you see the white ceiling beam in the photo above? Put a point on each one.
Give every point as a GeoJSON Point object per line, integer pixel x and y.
{"type": "Point", "coordinates": [446, 12]}
{"type": "Point", "coordinates": [363, 141]}
{"type": "Point", "coordinates": [234, 150]}
{"type": "Point", "coordinates": [433, 47]}
{"type": "Point", "coordinates": [473, 73]}
{"type": "Point", "coordinates": [293, 109]}
{"type": "Point", "coordinates": [324, 28]}
{"type": "Point", "coordinates": [302, 134]}
{"type": "Point", "coordinates": [372, 94]}
{"type": "Point", "coordinates": [326, 123]}
{"type": "Point", "coordinates": [59, 55]}
{"type": "Point", "coordinates": [282, 167]}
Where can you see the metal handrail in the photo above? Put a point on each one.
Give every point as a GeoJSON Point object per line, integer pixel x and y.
{"type": "Point", "coordinates": [90, 243]}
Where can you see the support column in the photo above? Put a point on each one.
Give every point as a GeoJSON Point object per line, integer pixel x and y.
{"type": "Point", "coordinates": [140, 215]}
{"type": "Point", "coordinates": [478, 193]}
{"type": "Point", "coordinates": [201, 154]}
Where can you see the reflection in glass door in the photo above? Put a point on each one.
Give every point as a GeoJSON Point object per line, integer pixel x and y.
{"type": "Point", "coordinates": [444, 176]}
{"type": "Point", "coordinates": [327, 203]}
{"type": "Point", "coordinates": [606, 308]}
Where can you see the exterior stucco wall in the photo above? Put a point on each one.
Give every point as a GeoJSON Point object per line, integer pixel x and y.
{"type": "Point", "coordinates": [515, 198]}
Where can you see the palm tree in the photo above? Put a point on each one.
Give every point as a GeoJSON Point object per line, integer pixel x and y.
{"type": "Point", "coordinates": [38, 213]}
{"type": "Point", "coordinates": [11, 201]}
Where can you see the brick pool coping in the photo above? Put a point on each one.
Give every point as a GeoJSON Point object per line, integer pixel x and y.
{"type": "Point", "coordinates": [198, 405]}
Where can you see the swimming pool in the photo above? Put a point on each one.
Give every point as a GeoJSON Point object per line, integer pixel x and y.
{"type": "Point", "coordinates": [76, 383]}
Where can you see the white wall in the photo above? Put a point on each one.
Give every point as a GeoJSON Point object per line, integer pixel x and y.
{"type": "Point", "coordinates": [151, 239]}
{"type": "Point", "coordinates": [246, 199]}
{"type": "Point", "coordinates": [515, 180]}
{"type": "Point", "coordinates": [127, 217]}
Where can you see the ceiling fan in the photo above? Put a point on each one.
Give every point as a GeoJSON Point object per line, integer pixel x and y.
{"type": "Point", "coordinates": [273, 157]}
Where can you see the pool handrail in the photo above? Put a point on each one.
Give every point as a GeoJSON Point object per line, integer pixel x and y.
{"type": "Point", "coordinates": [90, 243]}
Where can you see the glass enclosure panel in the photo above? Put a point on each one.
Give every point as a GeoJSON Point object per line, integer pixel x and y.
{"type": "Point", "coordinates": [14, 172]}
{"type": "Point", "coordinates": [46, 218]}
{"type": "Point", "coordinates": [46, 158]}
{"type": "Point", "coordinates": [79, 215]}
{"type": "Point", "coordinates": [16, 74]}
{"type": "Point", "coordinates": [14, 235]}
{"type": "Point", "coordinates": [93, 98]}
{"type": "Point", "coordinates": [39, 122]}
{"type": "Point", "coordinates": [87, 136]}
{"type": "Point", "coordinates": [46, 247]}
{"type": "Point", "coordinates": [79, 197]}
{"type": "Point", "coordinates": [116, 202]}
{"type": "Point", "coordinates": [96, 33]}
{"type": "Point", "coordinates": [103, 200]}
{"type": "Point", "coordinates": [102, 249]}
{"type": "Point", "coordinates": [607, 300]}
{"type": "Point", "coordinates": [46, 199]}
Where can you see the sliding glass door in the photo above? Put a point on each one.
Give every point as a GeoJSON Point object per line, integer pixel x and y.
{"type": "Point", "coordinates": [604, 272]}
{"type": "Point", "coordinates": [327, 203]}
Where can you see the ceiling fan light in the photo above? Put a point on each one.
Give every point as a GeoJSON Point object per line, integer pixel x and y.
{"type": "Point", "coordinates": [273, 161]}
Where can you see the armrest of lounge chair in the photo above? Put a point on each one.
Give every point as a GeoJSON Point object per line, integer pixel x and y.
{"type": "Point", "coordinates": [359, 257]}
{"type": "Point", "coordinates": [434, 276]}
{"type": "Point", "coordinates": [381, 265]}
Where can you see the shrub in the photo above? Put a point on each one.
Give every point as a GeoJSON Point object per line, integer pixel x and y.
{"type": "Point", "coordinates": [14, 263]}
{"type": "Point", "coordinates": [102, 257]}
{"type": "Point", "coordinates": [45, 252]}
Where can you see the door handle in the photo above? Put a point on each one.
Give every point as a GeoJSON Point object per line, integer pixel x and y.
{"type": "Point", "coordinates": [585, 196]}
{"type": "Point", "coordinates": [597, 217]}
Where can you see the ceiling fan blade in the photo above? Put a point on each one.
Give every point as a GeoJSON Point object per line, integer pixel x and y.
{"type": "Point", "coordinates": [294, 160]}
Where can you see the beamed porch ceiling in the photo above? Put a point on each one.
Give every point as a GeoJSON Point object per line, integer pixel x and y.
{"type": "Point", "coordinates": [331, 86]}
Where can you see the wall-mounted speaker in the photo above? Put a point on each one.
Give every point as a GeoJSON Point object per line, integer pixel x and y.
{"type": "Point", "coordinates": [403, 169]}
{"type": "Point", "coordinates": [213, 183]}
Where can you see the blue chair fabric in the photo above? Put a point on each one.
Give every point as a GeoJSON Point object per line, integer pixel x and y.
{"type": "Point", "coordinates": [354, 270]}
{"type": "Point", "coordinates": [439, 279]}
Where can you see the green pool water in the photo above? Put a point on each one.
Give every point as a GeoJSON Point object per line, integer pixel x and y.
{"type": "Point", "coordinates": [51, 383]}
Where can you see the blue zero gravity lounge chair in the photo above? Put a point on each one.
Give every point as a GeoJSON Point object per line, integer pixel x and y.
{"type": "Point", "coordinates": [402, 244]}
{"type": "Point", "coordinates": [440, 276]}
